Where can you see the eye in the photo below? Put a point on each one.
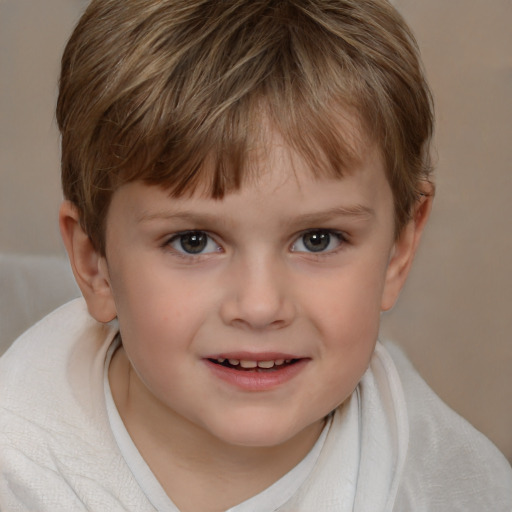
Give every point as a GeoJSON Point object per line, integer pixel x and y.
{"type": "Point", "coordinates": [193, 242]}
{"type": "Point", "coordinates": [318, 240]}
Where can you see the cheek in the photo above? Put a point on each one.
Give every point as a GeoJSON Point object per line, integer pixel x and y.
{"type": "Point", "coordinates": [348, 303]}
{"type": "Point", "coordinates": [156, 332]}
{"type": "Point", "coordinates": [159, 312]}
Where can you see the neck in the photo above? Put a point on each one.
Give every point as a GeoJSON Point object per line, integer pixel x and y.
{"type": "Point", "coordinates": [196, 469]}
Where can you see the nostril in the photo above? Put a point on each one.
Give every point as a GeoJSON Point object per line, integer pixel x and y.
{"type": "Point", "coordinates": [258, 299]}
{"type": "Point", "coordinates": [258, 324]}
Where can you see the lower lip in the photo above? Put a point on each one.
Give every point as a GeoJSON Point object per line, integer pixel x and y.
{"type": "Point", "coordinates": [257, 380]}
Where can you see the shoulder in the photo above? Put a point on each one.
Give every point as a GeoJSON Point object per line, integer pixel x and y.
{"type": "Point", "coordinates": [450, 466]}
{"type": "Point", "coordinates": [62, 342]}
{"type": "Point", "coordinates": [57, 451]}
{"type": "Point", "coordinates": [54, 434]}
{"type": "Point", "coordinates": [55, 367]}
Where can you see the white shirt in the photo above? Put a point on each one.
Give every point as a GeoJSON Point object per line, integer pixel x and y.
{"type": "Point", "coordinates": [393, 446]}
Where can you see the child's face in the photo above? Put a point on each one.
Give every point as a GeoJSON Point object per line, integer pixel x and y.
{"type": "Point", "coordinates": [290, 274]}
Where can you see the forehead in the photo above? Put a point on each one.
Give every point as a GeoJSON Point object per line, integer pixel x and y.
{"type": "Point", "coordinates": [276, 163]}
{"type": "Point", "coordinates": [280, 186]}
{"type": "Point", "coordinates": [341, 148]}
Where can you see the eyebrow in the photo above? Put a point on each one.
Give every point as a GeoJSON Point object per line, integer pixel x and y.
{"type": "Point", "coordinates": [357, 211]}
{"type": "Point", "coordinates": [200, 218]}
{"type": "Point", "coordinates": [354, 211]}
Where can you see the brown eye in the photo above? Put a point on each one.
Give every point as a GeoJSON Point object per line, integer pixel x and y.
{"type": "Point", "coordinates": [194, 243]}
{"type": "Point", "coordinates": [318, 240]}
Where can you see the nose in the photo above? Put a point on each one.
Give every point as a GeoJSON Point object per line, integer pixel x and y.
{"type": "Point", "coordinates": [258, 295]}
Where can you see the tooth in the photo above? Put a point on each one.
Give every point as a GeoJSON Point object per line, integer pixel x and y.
{"type": "Point", "coordinates": [220, 359]}
{"type": "Point", "coordinates": [234, 362]}
{"type": "Point", "coordinates": [247, 364]}
{"type": "Point", "coordinates": [288, 361]}
{"type": "Point", "coordinates": [265, 364]}
{"type": "Point", "coordinates": [279, 362]}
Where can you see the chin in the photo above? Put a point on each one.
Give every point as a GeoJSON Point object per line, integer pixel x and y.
{"type": "Point", "coordinates": [259, 432]}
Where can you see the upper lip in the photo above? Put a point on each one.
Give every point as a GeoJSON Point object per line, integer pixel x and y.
{"type": "Point", "coordinates": [252, 356]}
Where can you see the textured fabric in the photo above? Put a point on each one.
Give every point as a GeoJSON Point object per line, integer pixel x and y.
{"type": "Point", "coordinates": [450, 467]}
{"type": "Point", "coordinates": [393, 446]}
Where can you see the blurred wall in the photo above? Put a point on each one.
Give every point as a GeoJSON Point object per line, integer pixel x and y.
{"type": "Point", "coordinates": [455, 315]}
{"type": "Point", "coordinates": [32, 36]}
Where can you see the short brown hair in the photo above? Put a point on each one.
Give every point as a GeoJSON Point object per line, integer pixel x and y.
{"type": "Point", "coordinates": [171, 92]}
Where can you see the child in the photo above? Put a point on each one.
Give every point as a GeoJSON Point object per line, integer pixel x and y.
{"type": "Point", "coordinates": [246, 185]}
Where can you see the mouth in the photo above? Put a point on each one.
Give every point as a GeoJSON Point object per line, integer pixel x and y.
{"type": "Point", "coordinates": [246, 365]}
{"type": "Point", "coordinates": [249, 372]}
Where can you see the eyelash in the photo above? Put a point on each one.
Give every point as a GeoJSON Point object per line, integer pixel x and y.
{"type": "Point", "coordinates": [190, 255]}
{"type": "Point", "coordinates": [340, 236]}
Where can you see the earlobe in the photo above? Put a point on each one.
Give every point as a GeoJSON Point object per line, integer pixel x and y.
{"type": "Point", "coordinates": [89, 267]}
{"type": "Point", "coordinates": [405, 248]}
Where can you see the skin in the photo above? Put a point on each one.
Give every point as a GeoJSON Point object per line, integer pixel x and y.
{"type": "Point", "coordinates": [257, 288]}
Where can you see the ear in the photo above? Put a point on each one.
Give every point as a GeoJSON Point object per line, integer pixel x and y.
{"type": "Point", "coordinates": [405, 248]}
{"type": "Point", "coordinates": [89, 267]}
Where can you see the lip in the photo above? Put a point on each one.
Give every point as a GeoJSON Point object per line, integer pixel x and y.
{"type": "Point", "coordinates": [256, 380]}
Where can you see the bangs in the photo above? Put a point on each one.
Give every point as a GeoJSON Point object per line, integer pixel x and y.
{"type": "Point", "coordinates": [185, 130]}
{"type": "Point", "coordinates": [228, 155]}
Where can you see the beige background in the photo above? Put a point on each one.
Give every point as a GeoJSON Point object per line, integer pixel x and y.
{"type": "Point", "coordinates": [455, 316]}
